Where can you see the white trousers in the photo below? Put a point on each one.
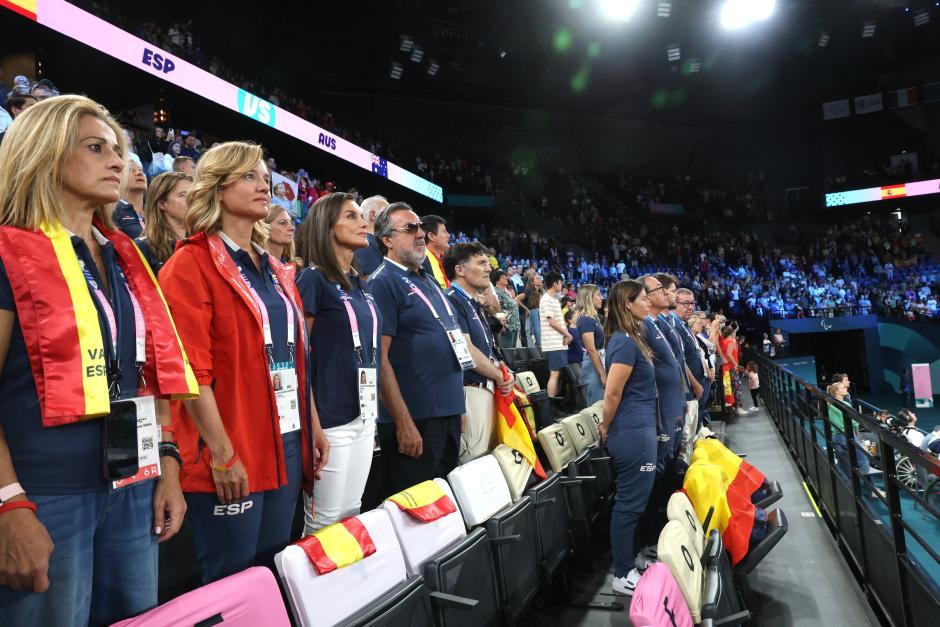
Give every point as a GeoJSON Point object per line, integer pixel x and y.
{"type": "Point", "coordinates": [476, 439]}
{"type": "Point", "coordinates": [689, 431]}
{"type": "Point", "coordinates": [338, 493]}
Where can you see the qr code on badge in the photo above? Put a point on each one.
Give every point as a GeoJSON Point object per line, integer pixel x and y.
{"type": "Point", "coordinates": [293, 404]}
{"type": "Point", "coordinates": [147, 443]}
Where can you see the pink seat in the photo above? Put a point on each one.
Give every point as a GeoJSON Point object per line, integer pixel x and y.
{"type": "Point", "coordinates": [249, 598]}
{"type": "Point", "coordinates": [658, 601]}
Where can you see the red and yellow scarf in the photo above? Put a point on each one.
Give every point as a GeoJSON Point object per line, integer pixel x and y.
{"type": "Point", "coordinates": [437, 268]}
{"type": "Point", "coordinates": [61, 329]}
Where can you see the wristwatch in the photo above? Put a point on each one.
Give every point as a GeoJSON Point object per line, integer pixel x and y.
{"type": "Point", "coordinates": [9, 491]}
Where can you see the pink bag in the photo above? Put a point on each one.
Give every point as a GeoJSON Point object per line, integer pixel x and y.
{"type": "Point", "coordinates": [249, 598]}
{"type": "Point", "coordinates": [658, 601]}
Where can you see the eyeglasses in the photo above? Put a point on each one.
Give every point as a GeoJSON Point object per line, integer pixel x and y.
{"type": "Point", "coordinates": [410, 227]}
{"type": "Point", "coordinates": [654, 290]}
{"type": "Point", "coordinates": [686, 303]}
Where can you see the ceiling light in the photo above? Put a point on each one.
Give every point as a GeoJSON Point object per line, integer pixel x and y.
{"type": "Point", "coordinates": [619, 10]}
{"type": "Point", "coordinates": [868, 28]}
{"type": "Point", "coordinates": [406, 43]}
{"type": "Point", "coordinates": [921, 17]}
{"type": "Point", "coordinates": [396, 71]}
{"type": "Point", "coordinates": [695, 65]}
{"type": "Point", "coordinates": [673, 52]}
{"type": "Point", "coordinates": [664, 9]}
{"type": "Point", "coordinates": [823, 39]}
{"type": "Point", "coordinates": [739, 13]}
{"type": "Point", "coordinates": [417, 53]}
{"type": "Point", "coordinates": [433, 67]}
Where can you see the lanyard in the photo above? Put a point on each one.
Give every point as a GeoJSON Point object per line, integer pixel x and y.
{"type": "Point", "coordinates": [354, 324]}
{"type": "Point", "coordinates": [665, 341]}
{"type": "Point", "coordinates": [417, 292]}
{"type": "Point", "coordinates": [471, 302]}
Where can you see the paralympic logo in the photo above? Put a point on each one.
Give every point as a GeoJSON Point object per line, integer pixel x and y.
{"type": "Point", "coordinates": [826, 324]}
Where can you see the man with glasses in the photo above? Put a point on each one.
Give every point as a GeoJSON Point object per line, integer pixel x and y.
{"type": "Point", "coordinates": [422, 392]}
{"type": "Point", "coordinates": [694, 363]}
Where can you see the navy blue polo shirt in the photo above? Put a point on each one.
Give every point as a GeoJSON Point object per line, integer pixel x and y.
{"type": "Point", "coordinates": [575, 347]}
{"type": "Point", "coordinates": [671, 397]}
{"type": "Point", "coordinates": [155, 264]}
{"type": "Point", "coordinates": [586, 324]}
{"type": "Point", "coordinates": [370, 257]}
{"type": "Point", "coordinates": [127, 220]}
{"type": "Point", "coordinates": [468, 317]}
{"type": "Point", "coordinates": [333, 361]}
{"type": "Point", "coordinates": [430, 379]}
{"type": "Point", "coordinates": [263, 284]}
{"type": "Point", "coordinates": [67, 459]}
{"type": "Point", "coordinates": [690, 350]}
{"type": "Point", "coordinates": [637, 407]}
{"type": "Point", "coordinates": [667, 326]}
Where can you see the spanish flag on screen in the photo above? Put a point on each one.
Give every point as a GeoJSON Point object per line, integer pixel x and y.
{"type": "Point", "coordinates": [733, 515]}
{"type": "Point", "coordinates": [338, 545]}
{"type": "Point", "coordinates": [425, 501]}
{"type": "Point", "coordinates": [61, 330]}
{"type": "Point", "coordinates": [511, 428]}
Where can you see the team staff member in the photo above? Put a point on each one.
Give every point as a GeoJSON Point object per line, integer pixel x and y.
{"type": "Point", "coordinates": [468, 268]}
{"type": "Point", "coordinates": [74, 550]}
{"type": "Point", "coordinates": [345, 328]}
{"type": "Point", "coordinates": [165, 212]}
{"type": "Point", "coordinates": [369, 258]}
{"type": "Point", "coordinates": [425, 353]}
{"type": "Point", "coordinates": [249, 440]}
{"type": "Point", "coordinates": [555, 335]}
{"type": "Point", "coordinates": [280, 241]}
{"type": "Point", "coordinates": [629, 424]}
{"type": "Point", "coordinates": [437, 239]}
{"type": "Point", "coordinates": [668, 381]}
{"type": "Point", "coordinates": [128, 214]}
{"type": "Point", "coordinates": [589, 327]}
{"type": "Point", "coordinates": [694, 367]}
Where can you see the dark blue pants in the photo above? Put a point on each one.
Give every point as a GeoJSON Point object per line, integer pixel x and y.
{"type": "Point", "coordinates": [706, 400]}
{"type": "Point", "coordinates": [439, 456]}
{"type": "Point", "coordinates": [231, 538]}
{"type": "Point", "coordinates": [634, 453]}
{"type": "Point", "coordinates": [666, 443]}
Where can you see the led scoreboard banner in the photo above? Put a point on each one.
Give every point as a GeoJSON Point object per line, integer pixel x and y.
{"type": "Point", "coordinates": [85, 28]}
{"type": "Point", "coordinates": [886, 192]}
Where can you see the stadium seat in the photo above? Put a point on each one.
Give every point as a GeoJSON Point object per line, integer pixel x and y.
{"type": "Point", "coordinates": [517, 359]}
{"type": "Point", "coordinates": [679, 508]}
{"type": "Point", "coordinates": [246, 599]}
{"type": "Point", "coordinates": [776, 493]}
{"type": "Point", "coordinates": [657, 600]}
{"type": "Point", "coordinates": [557, 446]}
{"type": "Point", "coordinates": [582, 469]}
{"type": "Point", "coordinates": [776, 529]}
{"type": "Point", "coordinates": [463, 583]}
{"type": "Point", "coordinates": [516, 470]}
{"type": "Point", "coordinates": [551, 520]}
{"type": "Point", "coordinates": [538, 399]}
{"type": "Point", "coordinates": [721, 604]}
{"type": "Point", "coordinates": [579, 390]}
{"type": "Point", "coordinates": [404, 606]}
{"type": "Point", "coordinates": [480, 489]}
{"type": "Point", "coordinates": [595, 413]}
{"type": "Point", "coordinates": [317, 599]}
{"type": "Point", "coordinates": [538, 364]}
{"type": "Point", "coordinates": [579, 430]}
{"type": "Point", "coordinates": [677, 551]}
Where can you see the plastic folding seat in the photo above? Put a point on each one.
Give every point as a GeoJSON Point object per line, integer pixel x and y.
{"type": "Point", "coordinates": [516, 358]}
{"type": "Point", "coordinates": [551, 520]}
{"type": "Point", "coordinates": [480, 489]}
{"type": "Point", "coordinates": [404, 606]}
{"type": "Point", "coordinates": [582, 469]}
{"type": "Point", "coordinates": [516, 469]}
{"type": "Point", "coordinates": [325, 599]}
{"type": "Point", "coordinates": [557, 446]}
{"type": "Point", "coordinates": [776, 493]}
{"type": "Point", "coordinates": [596, 416]}
{"type": "Point", "coordinates": [538, 398]}
{"type": "Point", "coordinates": [720, 602]}
{"type": "Point", "coordinates": [580, 432]}
{"type": "Point", "coordinates": [579, 390]}
{"type": "Point", "coordinates": [246, 599]}
{"type": "Point", "coordinates": [538, 364]}
{"type": "Point", "coordinates": [679, 508]}
{"type": "Point", "coordinates": [776, 528]}
{"type": "Point", "coordinates": [657, 600]}
{"type": "Point", "coordinates": [677, 551]}
{"type": "Point", "coordinates": [463, 583]}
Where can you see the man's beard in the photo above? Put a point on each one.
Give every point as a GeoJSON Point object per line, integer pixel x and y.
{"type": "Point", "coordinates": [412, 256]}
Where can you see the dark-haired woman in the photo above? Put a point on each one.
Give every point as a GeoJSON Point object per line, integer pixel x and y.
{"type": "Point", "coordinates": [165, 215]}
{"type": "Point", "coordinates": [629, 425]}
{"type": "Point", "coordinates": [345, 330]}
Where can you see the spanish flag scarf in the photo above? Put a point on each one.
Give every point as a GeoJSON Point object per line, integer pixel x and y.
{"type": "Point", "coordinates": [61, 329]}
{"type": "Point", "coordinates": [437, 268]}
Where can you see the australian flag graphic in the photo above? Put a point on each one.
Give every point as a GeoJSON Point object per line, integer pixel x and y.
{"type": "Point", "coordinates": [380, 166]}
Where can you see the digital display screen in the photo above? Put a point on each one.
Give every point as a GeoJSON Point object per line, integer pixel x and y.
{"type": "Point", "coordinates": [885, 192]}
{"type": "Point", "coordinates": [87, 29]}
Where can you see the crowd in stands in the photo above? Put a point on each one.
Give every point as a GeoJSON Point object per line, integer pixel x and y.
{"type": "Point", "coordinates": [898, 170]}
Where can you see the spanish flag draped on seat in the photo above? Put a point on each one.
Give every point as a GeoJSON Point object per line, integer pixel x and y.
{"type": "Point", "coordinates": [511, 429]}
{"type": "Point", "coordinates": [338, 545]}
{"type": "Point", "coordinates": [742, 478]}
{"type": "Point", "coordinates": [733, 514]}
{"type": "Point", "coordinates": [425, 502]}
{"type": "Point", "coordinates": [61, 330]}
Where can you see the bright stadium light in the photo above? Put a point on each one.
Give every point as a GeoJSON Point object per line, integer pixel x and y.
{"type": "Point", "coordinates": [737, 14]}
{"type": "Point", "coordinates": [619, 10]}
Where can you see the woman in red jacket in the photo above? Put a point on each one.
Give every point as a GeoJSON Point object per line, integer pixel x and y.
{"type": "Point", "coordinates": [253, 438]}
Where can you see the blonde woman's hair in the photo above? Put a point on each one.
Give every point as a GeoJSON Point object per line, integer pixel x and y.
{"type": "Point", "coordinates": [34, 155]}
{"type": "Point", "coordinates": [584, 303]}
{"type": "Point", "coordinates": [156, 228]}
{"type": "Point", "coordinates": [219, 167]}
{"type": "Point", "coordinates": [273, 213]}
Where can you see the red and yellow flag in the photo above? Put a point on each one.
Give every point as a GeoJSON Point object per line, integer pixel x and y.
{"type": "Point", "coordinates": [893, 191]}
{"type": "Point", "coordinates": [511, 428]}
{"type": "Point", "coordinates": [425, 501]}
{"type": "Point", "coordinates": [61, 329]}
{"type": "Point", "coordinates": [741, 478]}
{"type": "Point", "coordinates": [733, 515]}
{"type": "Point", "coordinates": [26, 8]}
{"type": "Point", "coordinates": [437, 268]}
{"type": "Point", "coordinates": [338, 545]}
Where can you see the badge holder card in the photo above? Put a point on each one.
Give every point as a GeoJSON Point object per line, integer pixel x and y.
{"type": "Point", "coordinates": [132, 439]}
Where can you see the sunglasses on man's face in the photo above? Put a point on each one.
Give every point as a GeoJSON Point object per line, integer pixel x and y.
{"type": "Point", "coordinates": [410, 227]}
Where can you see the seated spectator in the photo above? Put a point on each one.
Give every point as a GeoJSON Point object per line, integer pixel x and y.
{"type": "Point", "coordinates": [78, 550]}
{"type": "Point", "coordinates": [189, 148]}
{"type": "Point", "coordinates": [909, 430]}
{"type": "Point", "coordinates": [16, 103]}
{"type": "Point", "coordinates": [165, 213]}
{"type": "Point", "coordinates": [555, 335]}
{"type": "Point", "coordinates": [237, 309]}
{"type": "Point", "coordinates": [128, 213]}
{"type": "Point", "coordinates": [280, 240]}
{"type": "Point", "coordinates": [345, 327]}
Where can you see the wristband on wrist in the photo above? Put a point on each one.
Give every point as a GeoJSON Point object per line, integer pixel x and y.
{"type": "Point", "coordinates": [11, 505]}
{"type": "Point", "coordinates": [227, 465]}
{"type": "Point", "coordinates": [7, 492]}
{"type": "Point", "coordinates": [170, 449]}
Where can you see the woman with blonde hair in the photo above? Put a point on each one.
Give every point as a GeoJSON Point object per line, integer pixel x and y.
{"type": "Point", "coordinates": [630, 422]}
{"type": "Point", "coordinates": [165, 213]}
{"type": "Point", "coordinates": [591, 332]}
{"type": "Point", "coordinates": [128, 213]}
{"type": "Point", "coordinates": [346, 329]}
{"type": "Point", "coordinates": [253, 445]}
{"type": "Point", "coordinates": [280, 242]}
{"type": "Point", "coordinates": [86, 347]}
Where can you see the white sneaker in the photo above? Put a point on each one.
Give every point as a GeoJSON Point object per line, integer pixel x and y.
{"type": "Point", "coordinates": [742, 412]}
{"type": "Point", "coordinates": [753, 409]}
{"type": "Point", "coordinates": [626, 585]}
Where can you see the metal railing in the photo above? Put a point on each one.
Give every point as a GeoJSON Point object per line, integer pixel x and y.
{"type": "Point", "coordinates": [878, 494]}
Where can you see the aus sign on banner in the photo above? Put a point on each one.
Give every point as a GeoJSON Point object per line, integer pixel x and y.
{"type": "Point", "coordinates": [923, 389]}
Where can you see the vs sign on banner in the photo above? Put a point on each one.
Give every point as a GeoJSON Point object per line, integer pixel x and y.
{"type": "Point", "coordinates": [255, 108]}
